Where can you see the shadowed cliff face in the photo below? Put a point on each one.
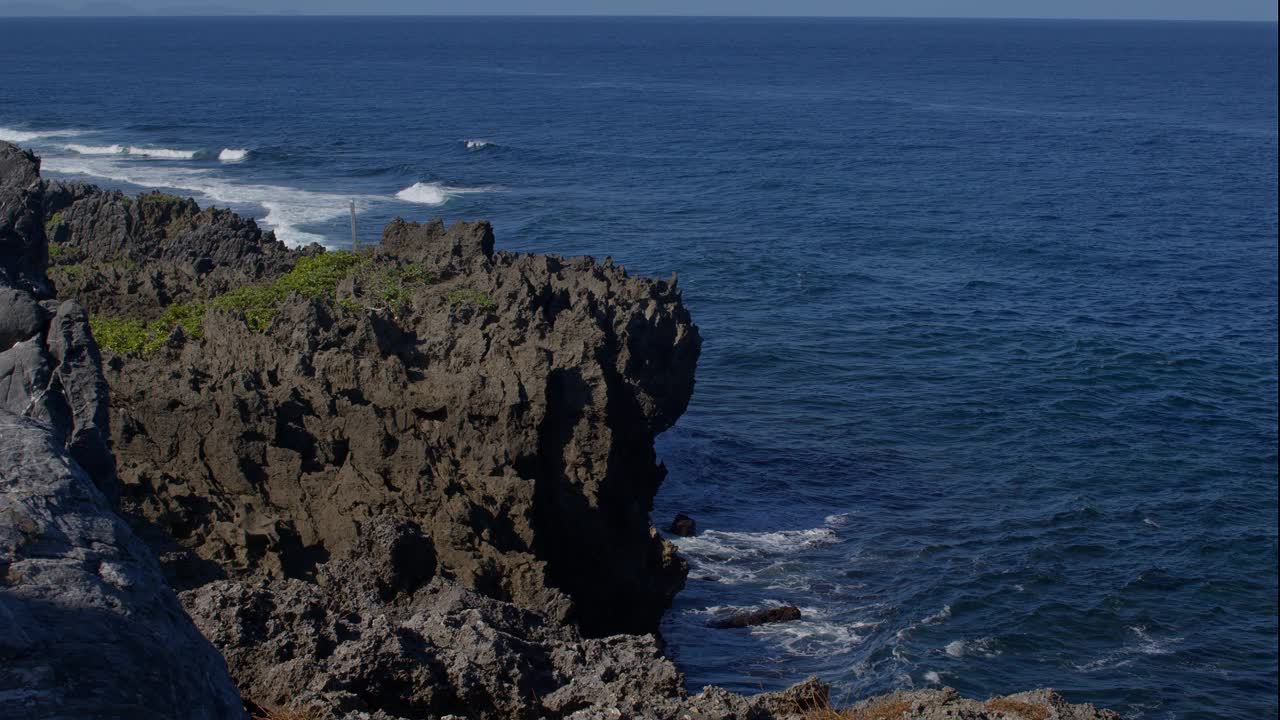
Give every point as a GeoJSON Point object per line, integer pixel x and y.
{"type": "Point", "coordinates": [507, 404]}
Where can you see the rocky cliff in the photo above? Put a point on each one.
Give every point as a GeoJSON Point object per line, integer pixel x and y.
{"type": "Point", "coordinates": [407, 482]}
{"type": "Point", "coordinates": [88, 625]}
{"type": "Point", "coordinates": [506, 404]}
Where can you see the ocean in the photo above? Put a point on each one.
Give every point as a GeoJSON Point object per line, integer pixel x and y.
{"type": "Point", "coordinates": [989, 379]}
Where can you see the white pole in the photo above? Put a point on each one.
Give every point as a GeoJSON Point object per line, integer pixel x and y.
{"type": "Point", "coordinates": [355, 241]}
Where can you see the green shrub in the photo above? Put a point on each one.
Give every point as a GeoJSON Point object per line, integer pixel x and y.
{"type": "Point", "coordinates": [70, 271]}
{"type": "Point", "coordinates": [471, 296]}
{"type": "Point", "coordinates": [52, 223]}
{"type": "Point", "coordinates": [415, 275]}
{"type": "Point", "coordinates": [314, 277]}
{"type": "Point", "coordinates": [317, 276]}
{"type": "Point", "coordinates": [159, 199]}
{"type": "Point", "coordinates": [56, 251]}
{"type": "Point", "coordinates": [137, 337]}
{"type": "Point", "coordinates": [259, 303]}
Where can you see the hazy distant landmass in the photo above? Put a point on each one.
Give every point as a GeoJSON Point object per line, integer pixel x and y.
{"type": "Point", "coordinates": [1118, 9]}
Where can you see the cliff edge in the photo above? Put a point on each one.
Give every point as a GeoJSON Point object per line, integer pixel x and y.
{"type": "Point", "coordinates": [412, 481]}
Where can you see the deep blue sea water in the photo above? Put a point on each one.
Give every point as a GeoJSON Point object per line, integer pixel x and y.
{"type": "Point", "coordinates": [989, 381]}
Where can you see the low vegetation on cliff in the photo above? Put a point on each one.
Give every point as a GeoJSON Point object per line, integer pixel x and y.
{"type": "Point", "coordinates": [315, 277]}
{"type": "Point", "coordinates": [138, 337]}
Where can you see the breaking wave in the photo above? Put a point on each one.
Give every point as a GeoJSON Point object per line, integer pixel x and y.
{"type": "Point", "coordinates": [162, 153]}
{"type": "Point", "coordinates": [478, 144]}
{"type": "Point", "coordinates": [286, 208]}
{"type": "Point", "coordinates": [425, 194]}
{"type": "Point", "coordinates": [1130, 652]}
{"type": "Point", "coordinates": [736, 557]}
{"type": "Point", "coordinates": [432, 193]}
{"type": "Point", "coordinates": [96, 149]}
{"type": "Point", "coordinates": [233, 155]}
{"type": "Point", "coordinates": [132, 151]}
{"type": "Point", "coordinates": [14, 135]}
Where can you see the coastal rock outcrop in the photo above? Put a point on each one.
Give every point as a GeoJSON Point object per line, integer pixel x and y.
{"type": "Point", "coordinates": [683, 526]}
{"type": "Point", "coordinates": [412, 482]}
{"type": "Point", "coordinates": [23, 249]}
{"type": "Point", "coordinates": [509, 410]}
{"type": "Point", "coordinates": [88, 625]}
{"type": "Point", "coordinates": [758, 616]}
{"type": "Point", "coordinates": [946, 704]}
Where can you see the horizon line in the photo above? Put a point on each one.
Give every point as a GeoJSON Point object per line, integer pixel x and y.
{"type": "Point", "coordinates": [632, 16]}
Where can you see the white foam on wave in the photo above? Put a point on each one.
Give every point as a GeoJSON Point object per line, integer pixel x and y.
{"type": "Point", "coordinates": [732, 544]}
{"type": "Point", "coordinates": [940, 616]}
{"type": "Point", "coordinates": [232, 155]}
{"type": "Point", "coordinates": [984, 647]}
{"type": "Point", "coordinates": [433, 193]}
{"type": "Point", "coordinates": [15, 135]}
{"type": "Point", "coordinates": [1129, 654]}
{"type": "Point", "coordinates": [132, 151]}
{"type": "Point", "coordinates": [478, 144]}
{"type": "Point", "coordinates": [425, 194]}
{"type": "Point", "coordinates": [162, 153]}
{"type": "Point", "coordinates": [286, 208]}
{"type": "Point", "coordinates": [815, 634]}
{"type": "Point", "coordinates": [933, 678]}
{"type": "Point", "coordinates": [96, 149]}
{"type": "Point", "coordinates": [734, 557]}
{"type": "Point", "coordinates": [837, 520]}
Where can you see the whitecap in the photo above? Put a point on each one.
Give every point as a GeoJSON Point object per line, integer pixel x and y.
{"type": "Point", "coordinates": [432, 193]}
{"type": "Point", "coordinates": [161, 153]}
{"type": "Point", "coordinates": [425, 194]}
{"type": "Point", "coordinates": [933, 678]}
{"type": "Point", "coordinates": [233, 155]}
{"type": "Point", "coordinates": [747, 544]}
{"type": "Point", "coordinates": [815, 634]}
{"type": "Point", "coordinates": [1152, 646]}
{"type": "Point", "coordinates": [19, 136]}
{"type": "Point", "coordinates": [286, 208]}
{"type": "Point", "coordinates": [984, 647]}
{"type": "Point", "coordinates": [941, 615]}
{"type": "Point", "coordinates": [837, 520]}
{"type": "Point", "coordinates": [478, 144]}
{"type": "Point", "coordinates": [96, 149]}
{"type": "Point", "coordinates": [736, 557]}
{"type": "Point", "coordinates": [1127, 655]}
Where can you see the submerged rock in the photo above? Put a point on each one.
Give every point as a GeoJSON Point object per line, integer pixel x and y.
{"type": "Point", "coordinates": [761, 616]}
{"type": "Point", "coordinates": [683, 526]}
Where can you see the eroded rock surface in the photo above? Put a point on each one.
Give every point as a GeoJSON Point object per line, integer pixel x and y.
{"type": "Point", "coordinates": [421, 493]}
{"type": "Point", "coordinates": [947, 704]}
{"type": "Point", "coordinates": [89, 628]}
{"type": "Point", "coordinates": [508, 407]}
